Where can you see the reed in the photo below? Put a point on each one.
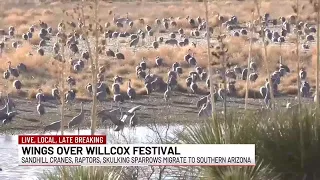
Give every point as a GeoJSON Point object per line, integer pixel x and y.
{"type": "Point", "coordinates": [249, 58]}
{"type": "Point", "coordinates": [257, 4]}
{"type": "Point", "coordinates": [210, 69]}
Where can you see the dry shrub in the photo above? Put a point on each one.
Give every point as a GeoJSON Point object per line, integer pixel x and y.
{"type": "Point", "coordinates": [123, 70]}
{"type": "Point", "coordinates": [35, 40]}
{"type": "Point", "coordinates": [15, 20]}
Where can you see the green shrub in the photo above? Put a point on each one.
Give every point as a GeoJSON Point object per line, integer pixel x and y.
{"type": "Point", "coordinates": [288, 142]}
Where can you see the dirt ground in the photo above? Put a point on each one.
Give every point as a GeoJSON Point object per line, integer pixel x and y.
{"type": "Point", "coordinates": [181, 109]}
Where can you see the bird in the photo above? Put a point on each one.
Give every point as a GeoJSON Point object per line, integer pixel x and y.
{"type": "Point", "coordinates": [17, 84]}
{"type": "Point", "coordinates": [133, 120]}
{"type": "Point", "coordinates": [203, 100]}
{"type": "Point", "coordinates": [193, 85]}
{"type": "Point", "coordinates": [40, 96]}
{"type": "Point", "coordinates": [130, 113]}
{"type": "Point", "coordinates": [55, 126]}
{"type": "Point", "coordinates": [206, 110]}
{"type": "Point", "coordinates": [55, 93]}
{"type": "Point", "coordinates": [130, 91]}
{"type": "Point", "coordinates": [116, 88]}
{"type": "Point", "coordinates": [14, 72]}
{"type": "Point", "coordinates": [167, 93]}
{"type": "Point", "coordinates": [77, 120]}
{"type": "Point", "coordinates": [40, 108]}
{"type": "Point", "coordinates": [222, 92]}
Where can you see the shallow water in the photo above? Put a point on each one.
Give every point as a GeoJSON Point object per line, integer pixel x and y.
{"type": "Point", "coordinates": [9, 145]}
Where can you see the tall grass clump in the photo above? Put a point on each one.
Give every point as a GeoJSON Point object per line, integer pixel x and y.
{"type": "Point", "coordinates": [278, 143]}
{"type": "Point", "coordinates": [82, 173]}
{"type": "Point", "coordinates": [249, 59]}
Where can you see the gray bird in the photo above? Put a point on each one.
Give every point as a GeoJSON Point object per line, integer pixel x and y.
{"type": "Point", "coordinates": [130, 113]}
{"type": "Point", "coordinates": [130, 91]}
{"type": "Point", "coordinates": [40, 108]}
{"type": "Point", "coordinates": [17, 84]}
{"type": "Point", "coordinates": [55, 93]}
{"type": "Point", "coordinates": [206, 110]}
{"type": "Point", "coordinates": [167, 93]}
{"type": "Point", "coordinates": [40, 96]}
{"type": "Point", "coordinates": [8, 116]}
{"type": "Point", "coordinates": [193, 85]}
{"type": "Point", "coordinates": [133, 120]}
{"type": "Point", "coordinates": [116, 88]}
{"type": "Point", "coordinates": [13, 71]}
{"type": "Point", "coordinates": [55, 126]}
{"type": "Point", "coordinates": [77, 120]}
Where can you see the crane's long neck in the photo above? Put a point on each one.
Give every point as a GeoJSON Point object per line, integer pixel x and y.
{"type": "Point", "coordinates": [129, 84]}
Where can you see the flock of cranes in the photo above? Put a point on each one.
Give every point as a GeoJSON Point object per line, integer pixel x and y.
{"type": "Point", "coordinates": [276, 31]}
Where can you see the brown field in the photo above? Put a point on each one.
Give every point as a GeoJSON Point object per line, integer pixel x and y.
{"type": "Point", "coordinates": [44, 71]}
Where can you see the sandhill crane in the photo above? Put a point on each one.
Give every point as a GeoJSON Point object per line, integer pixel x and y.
{"type": "Point", "coordinates": [303, 74]}
{"type": "Point", "coordinates": [143, 64]}
{"type": "Point", "coordinates": [77, 120]}
{"type": "Point", "coordinates": [17, 84]}
{"type": "Point", "coordinates": [244, 73]}
{"type": "Point", "coordinates": [13, 71]}
{"type": "Point", "coordinates": [167, 93]}
{"type": "Point", "coordinates": [134, 43]}
{"type": "Point", "coordinates": [159, 61]}
{"type": "Point", "coordinates": [40, 108]}
{"type": "Point", "coordinates": [110, 53]}
{"type": "Point", "coordinates": [6, 74]}
{"type": "Point", "coordinates": [179, 70]}
{"type": "Point", "coordinates": [171, 42]}
{"type": "Point", "coordinates": [263, 91]}
{"type": "Point", "coordinates": [222, 92]}
{"type": "Point", "coordinates": [253, 66]}
{"type": "Point", "coordinates": [188, 81]}
{"type": "Point", "coordinates": [133, 120]}
{"type": "Point", "coordinates": [40, 96]}
{"type": "Point", "coordinates": [192, 60]}
{"type": "Point", "coordinates": [267, 98]}
{"type": "Point", "coordinates": [203, 100]}
{"type": "Point", "coordinates": [175, 65]}
{"type": "Point", "coordinates": [10, 103]}
{"type": "Point", "coordinates": [117, 98]}
{"type": "Point", "coordinates": [71, 81]}
{"type": "Point", "coordinates": [130, 113]}
{"type": "Point", "coordinates": [55, 93]}
{"type": "Point", "coordinates": [283, 66]}
{"type": "Point", "coordinates": [148, 87]}
{"type": "Point", "coordinates": [21, 67]}
{"type": "Point", "coordinates": [55, 126]}
{"type": "Point", "coordinates": [7, 116]}
{"type": "Point", "coordinates": [193, 85]}
{"type": "Point", "coordinates": [119, 56]}
{"type": "Point", "coordinates": [253, 77]}
{"type": "Point", "coordinates": [116, 88]}
{"type": "Point", "coordinates": [305, 89]}
{"type": "Point", "coordinates": [118, 79]}
{"type": "Point", "coordinates": [70, 95]}
{"type": "Point", "coordinates": [155, 44]}
{"type": "Point", "coordinates": [130, 91]}
{"type": "Point", "coordinates": [40, 51]}
{"type": "Point", "coordinates": [206, 110]}
{"type": "Point", "coordinates": [4, 109]}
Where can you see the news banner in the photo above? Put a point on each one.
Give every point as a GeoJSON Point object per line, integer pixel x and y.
{"type": "Point", "coordinates": [44, 150]}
